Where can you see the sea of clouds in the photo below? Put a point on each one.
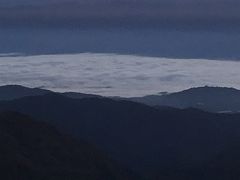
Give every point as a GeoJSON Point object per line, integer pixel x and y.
{"type": "Point", "coordinates": [116, 75]}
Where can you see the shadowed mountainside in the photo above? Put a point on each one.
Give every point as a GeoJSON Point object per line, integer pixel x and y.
{"type": "Point", "coordinates": [33, 150]}
{"type": "Point", "coordinates": [165, 143]}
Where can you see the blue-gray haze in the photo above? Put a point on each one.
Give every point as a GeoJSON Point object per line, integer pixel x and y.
{"type": "Point", "coordinates": [192, 13]}
{"type": "Point", "coordinates": [147, 42]}
{"type": "Point", "coordinates": [166, 28]}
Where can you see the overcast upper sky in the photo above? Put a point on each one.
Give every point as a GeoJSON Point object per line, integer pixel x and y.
{"type": "Point", "coordinates": [155, 12]}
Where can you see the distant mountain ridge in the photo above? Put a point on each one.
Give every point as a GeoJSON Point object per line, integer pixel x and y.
{"type": "Point", "coordinates": [11, 92]}
{"type": "Point", "coordinates": [214, 99]}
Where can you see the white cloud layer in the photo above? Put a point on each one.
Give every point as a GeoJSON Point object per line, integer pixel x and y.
{"type": "Point", "coordinates": [116, 75]}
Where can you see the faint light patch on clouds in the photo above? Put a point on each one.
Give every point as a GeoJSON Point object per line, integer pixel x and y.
{"type": "Point", "coordinates": [116, 75]}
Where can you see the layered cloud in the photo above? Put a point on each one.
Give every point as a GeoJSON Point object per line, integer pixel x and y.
{"type": "Point", "coordinates": [116, 75]}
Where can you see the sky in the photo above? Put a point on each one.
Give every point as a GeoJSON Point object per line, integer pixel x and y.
{"type": "Point", "coordinates": [130, 12]}
{"type": "Point", "coordinates": [120, 75]}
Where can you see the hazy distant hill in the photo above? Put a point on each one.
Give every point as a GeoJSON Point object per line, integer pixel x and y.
{"type": "Point", "coordinates": [32, 150]}
{"type": "Point", "coordinates": [10, 92]}
{"type": "Point", "coordinates": [215, 99]}
{"type": "Point", "coordinates": [166, 143]}
{"type": "Point", "coordinates": [77, 95]}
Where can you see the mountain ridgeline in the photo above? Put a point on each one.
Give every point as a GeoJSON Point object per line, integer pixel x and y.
{"type": "Point", "coordinates": [155, 142]}
{"type": "Point", "coordinates": [11, 92]}
{"type": "Point", "coordinates": [213, 99]}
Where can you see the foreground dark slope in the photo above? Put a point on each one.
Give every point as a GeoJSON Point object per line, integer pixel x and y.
{"type": "Point", "coordinates": [167, 143]}
{"type": "Point", "coordinates": [214, 99]}
{"type": "Point", "coordinates": [32, 150]}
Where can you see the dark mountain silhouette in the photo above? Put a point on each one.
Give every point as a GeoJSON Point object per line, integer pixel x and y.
{"type": "Point", "coordinates": [77, 95]}
{"type": "Point", "coordinates": [10, 92]}
{"type": "Point", "coordinates": [34, 150]}
{"type": "Point", "coordinates": [214, 99]}
{"type": "Point", "coordinates": [165, 143]}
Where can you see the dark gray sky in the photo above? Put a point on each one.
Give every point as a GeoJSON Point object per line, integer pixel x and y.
{"type": "Point", "coordinates": [132, 12]}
